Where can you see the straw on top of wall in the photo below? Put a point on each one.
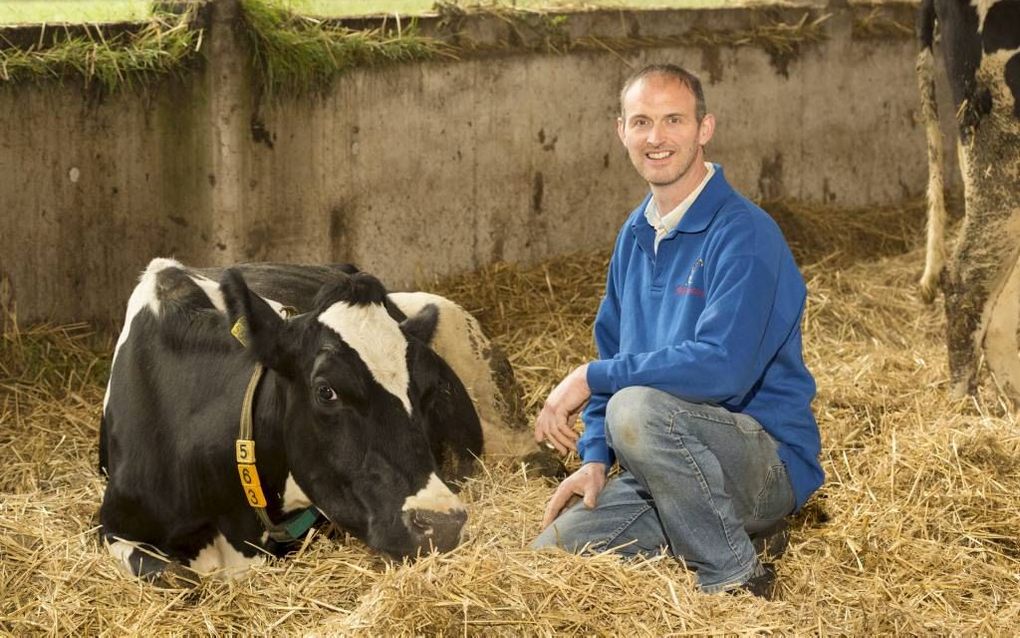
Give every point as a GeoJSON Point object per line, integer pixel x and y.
{"type": "Point", "coordinates": [915, 532]}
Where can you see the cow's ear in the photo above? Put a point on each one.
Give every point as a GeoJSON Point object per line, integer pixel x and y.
{"type": "Point", "coordinates": [256, 324]}
{"type": "Point", "coordinates": [422, 325]}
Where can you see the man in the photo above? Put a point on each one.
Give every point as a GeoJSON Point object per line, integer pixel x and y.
{"type": "Point", "coordinates": [700, 390]}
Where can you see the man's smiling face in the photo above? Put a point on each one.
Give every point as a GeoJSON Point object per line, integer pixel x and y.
{"type": "Point", "coordinates": [660, 129]}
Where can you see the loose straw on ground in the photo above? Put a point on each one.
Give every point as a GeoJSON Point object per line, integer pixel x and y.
{"type": "Point", "coordinates": [915, 532]}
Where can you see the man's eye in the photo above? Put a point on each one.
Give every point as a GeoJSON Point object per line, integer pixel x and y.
{"type": "Point", "coordinates": [325, 393]}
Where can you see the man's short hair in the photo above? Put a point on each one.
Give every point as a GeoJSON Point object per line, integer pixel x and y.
{"type": "Point", "coordinates": [678, 73]}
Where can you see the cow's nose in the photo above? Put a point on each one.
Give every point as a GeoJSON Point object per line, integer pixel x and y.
{"type": "Point", "coordinates": [436, 530]}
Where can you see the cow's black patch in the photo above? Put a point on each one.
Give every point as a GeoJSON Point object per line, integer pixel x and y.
{"type": "Point", "coordinates": [1002, 26]}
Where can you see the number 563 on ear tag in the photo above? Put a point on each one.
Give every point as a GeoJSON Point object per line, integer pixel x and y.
{"type": "Point", "coordinates": [250, 482]}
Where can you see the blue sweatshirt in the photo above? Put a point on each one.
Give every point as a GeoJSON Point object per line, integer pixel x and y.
{"type": "Point", "coordinates": [713, 318]}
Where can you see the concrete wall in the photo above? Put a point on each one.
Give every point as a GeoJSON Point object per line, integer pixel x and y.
{"type": "Point", "coordinates": [422, 169]}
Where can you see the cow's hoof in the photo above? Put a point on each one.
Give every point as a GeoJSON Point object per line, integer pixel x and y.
{"type": "Point", "coordinates": [544, 463]}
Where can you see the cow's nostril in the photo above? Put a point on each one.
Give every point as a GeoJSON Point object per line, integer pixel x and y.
{"type": "Point", "coordinates": [421, 523]}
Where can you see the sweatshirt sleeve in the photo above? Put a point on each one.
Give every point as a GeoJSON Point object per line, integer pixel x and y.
{"type": "Point", "coordinates": [729, 351]}
{"type": "Point", "coordinates": [592, 446]}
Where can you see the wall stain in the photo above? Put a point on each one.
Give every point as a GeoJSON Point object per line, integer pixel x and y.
{"type": "Point", "coordinates": [551, 144]}
{"type": "Point", "coordinates": [341, 232]}
{"type": "Point", "coordinates": [259, 133]}
{"type": "Point", "coordinates": [770, 179]}
{"type": "Point", "coordinates": [537, 191]}
{"type": "Point", "coordinates": [711, 60]}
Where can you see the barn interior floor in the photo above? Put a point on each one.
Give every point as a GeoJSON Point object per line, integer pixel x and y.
{"type": "Point", "coordinates": [914, 532]}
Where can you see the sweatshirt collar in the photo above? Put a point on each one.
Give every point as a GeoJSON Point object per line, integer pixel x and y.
{"type": "Point", "coordinates": [695, 220]}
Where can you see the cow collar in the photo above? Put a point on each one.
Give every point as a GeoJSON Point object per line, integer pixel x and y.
{"type": "Point", "coordinates": [244, 450]}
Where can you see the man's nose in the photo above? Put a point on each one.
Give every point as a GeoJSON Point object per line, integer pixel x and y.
{"type": "Point", "coordinates": [655, 134]}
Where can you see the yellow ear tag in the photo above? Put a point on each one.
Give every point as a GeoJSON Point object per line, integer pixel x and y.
{"type": "Point", "coordinates": [240, 331]}
{"type": "Point", "coordinates": [251, 485]}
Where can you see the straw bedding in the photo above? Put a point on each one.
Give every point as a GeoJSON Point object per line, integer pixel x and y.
{"type": "Point", "coordinates": [917, 530]}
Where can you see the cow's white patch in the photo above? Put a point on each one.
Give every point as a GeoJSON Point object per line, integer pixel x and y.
{"type": "Point", "coordinates": [121, 551]}
{"type": "Point", "coordinates": [220, 559]}
{"type": "Point", "coordinates": [144, 295]}
{"type": "Point", "coordinates": [211, 290]}
{"type": "Point", "coordinates": [377, 339]}
{"type": "Point", "coordinates": [460, 341]}
{"type": "Point", "coordinates": [293, 496]}
{"type": "Point", "coordinates": [982, 7]}
{"type": "Point", "coordinates": [435, 497]}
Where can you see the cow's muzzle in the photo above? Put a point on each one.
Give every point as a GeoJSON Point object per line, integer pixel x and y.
{"type": "Point", "coordinates": [433, 530]}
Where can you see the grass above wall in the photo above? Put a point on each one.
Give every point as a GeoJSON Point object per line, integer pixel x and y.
{"type": "Point", "coordinates": [294, 54]}
{"type": "Point", "coordinates": [111, 61]}
{"type": "Point", "coordinates": [411, 7]}
{"type": "Point", "coordinates": [92, 11]}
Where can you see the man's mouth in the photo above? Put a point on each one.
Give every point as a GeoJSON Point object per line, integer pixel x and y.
{"type": "Point", "coordinates": [658, 155]}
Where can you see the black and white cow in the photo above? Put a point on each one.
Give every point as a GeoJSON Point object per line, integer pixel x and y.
{"type": "Point", "coordinates": [980, 47]}
{"type": "Point", "coordinates": [355, 418]}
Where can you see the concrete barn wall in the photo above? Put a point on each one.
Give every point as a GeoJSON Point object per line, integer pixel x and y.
{"type": "Point", "coordinates": [418, 170]}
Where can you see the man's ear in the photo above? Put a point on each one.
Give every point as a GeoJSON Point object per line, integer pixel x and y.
{"type": "Point", "coordinates": [706, 129]}
{"type": "Point", "coordinates": [423, 324]}
{"type": "Point", "coordinates": [255, 323]}
{"type": "Point", "coordinates": [621, 130]}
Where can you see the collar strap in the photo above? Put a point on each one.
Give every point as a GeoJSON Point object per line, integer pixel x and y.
{"type": "Point", "coordinates": [244, 450]}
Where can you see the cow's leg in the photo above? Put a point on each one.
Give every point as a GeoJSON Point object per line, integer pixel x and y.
{"type": "Point", "coordinates": [987, 251]}
{"type": "Point", "coordinates": [125, 529]}
{"type": "Point", "coordinates": [138, 559]}
{"type": "Point", "coordinates": [935, 257]}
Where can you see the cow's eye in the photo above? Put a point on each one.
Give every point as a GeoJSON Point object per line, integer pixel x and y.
{"type": "Point", "coordinates": [325, 394]}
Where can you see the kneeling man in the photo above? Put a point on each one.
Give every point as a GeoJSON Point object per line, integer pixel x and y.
{"type": "Point", "coordinates": [700, 391]}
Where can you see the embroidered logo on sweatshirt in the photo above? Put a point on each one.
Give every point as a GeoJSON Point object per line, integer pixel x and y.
{"type": "Point", "coordinates": [688, 288]}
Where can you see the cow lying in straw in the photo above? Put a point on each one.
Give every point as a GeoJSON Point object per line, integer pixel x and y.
{"type": "Point", "coordinates": [238, 412]}
{"type": "Point", "coordinates": [980, 44]}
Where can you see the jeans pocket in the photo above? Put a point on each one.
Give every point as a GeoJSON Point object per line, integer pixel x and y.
{"type": "Point", "coordinates": [775, 500]}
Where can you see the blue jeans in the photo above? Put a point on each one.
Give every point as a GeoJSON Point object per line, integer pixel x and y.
{"type": "Point", "coordinates": [696, 480]}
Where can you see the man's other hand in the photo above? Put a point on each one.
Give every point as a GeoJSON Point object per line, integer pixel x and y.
{"type": "Point", "coordinates": [586, 482]}
{"type": "Point", "coordinates": [554, 424]}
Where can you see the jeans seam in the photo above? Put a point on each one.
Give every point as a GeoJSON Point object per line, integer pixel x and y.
{"type": "Point", "coordinates": [701, 477]}
{"type": "Point", "coordinates": [702, 415]}
{"type": "Point", "coordinates": [615, 534]}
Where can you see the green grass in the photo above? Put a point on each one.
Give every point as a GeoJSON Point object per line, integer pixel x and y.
{"type": "Point", "coordinates": [36, 11]}
{"type": "Point", "coordinates": [162, 45]}
{"type": "Point", "coordinates": [294, 54]}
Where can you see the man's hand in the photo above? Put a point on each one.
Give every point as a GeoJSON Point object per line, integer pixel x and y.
{"type": "Point", "coordinates": [555, 421]}
{"type": "Point", "coordinates": [586, 482]}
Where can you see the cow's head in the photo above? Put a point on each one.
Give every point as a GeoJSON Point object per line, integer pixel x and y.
{"type": "Point", "coordinates": [353, 382]}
